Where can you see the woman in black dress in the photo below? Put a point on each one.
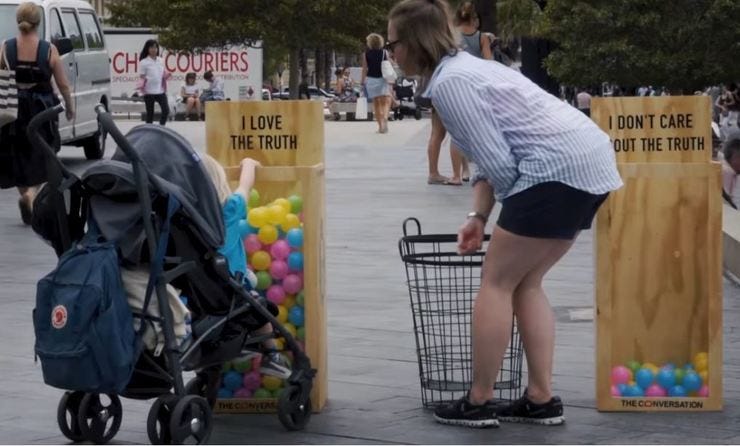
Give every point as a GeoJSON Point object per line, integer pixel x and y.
{"type": "Point", "coordinates": [35, 61]}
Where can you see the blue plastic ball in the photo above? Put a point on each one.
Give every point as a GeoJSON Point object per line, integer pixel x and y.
{"type": "Point", "coordinates": [670, 365]}
{"type": "Point", "coordinates": [688, 366]}
{"type": "Point", "coordinates": [252, 230]}
{"type": "Point", "coordinates": [634, 391]}
{"type": "Point", "coordinates": [295, 261]}
{"type": "Point", "coordinates": [666, 378]}
{"type": "Point", "coordinates": [692, 381]}
{"type": "Point", "coordinates": [296, 316]}
{"type": "Point", "coordinates": [295, 237]}
{"type": "Point", "coordinates": [644, 378]}
{"type": "Point", "coordinates": [677, 391]}
{"type": "Point", "coordinates": [243, 228]}
{"type": "Point", "coordinates": [232, 380]}
{"type": "Point", "coordinates": [623, 389]}
{"type": "Point", "coordinates": [225, 394]}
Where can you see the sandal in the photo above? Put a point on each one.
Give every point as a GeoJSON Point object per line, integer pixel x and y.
{"type": "Point", "coordinates": [437, 180]}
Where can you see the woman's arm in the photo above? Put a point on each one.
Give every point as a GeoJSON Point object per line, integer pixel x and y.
{"type": "Point", "coordinates": [60, 77]}
{"type": "Point", "coordinates": [364, 67]}
{"type": "Point", "coordinates": [246, 179]}
{"type": "Point", "coordinates": [485, 46]}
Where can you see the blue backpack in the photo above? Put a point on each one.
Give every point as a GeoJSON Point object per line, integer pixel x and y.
{"type": "Point", "coordinates": [84, 328]}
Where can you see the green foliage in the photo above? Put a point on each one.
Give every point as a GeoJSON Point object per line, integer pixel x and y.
{"type": "Point", "coordinates": [680, 44]}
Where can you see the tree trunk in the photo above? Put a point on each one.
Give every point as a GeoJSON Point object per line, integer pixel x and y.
{"type": "Point", "coordinates": [327, 68]}
{"type": "Point", "coordinates": [293, 72]}
{"type": "Point", "coordinates": [319, 55]}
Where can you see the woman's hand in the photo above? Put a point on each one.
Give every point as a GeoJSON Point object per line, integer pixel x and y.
{"type": "Point", "coordinates": [69, 113]}
{"type": "Point", "coordinates": [470, 236]}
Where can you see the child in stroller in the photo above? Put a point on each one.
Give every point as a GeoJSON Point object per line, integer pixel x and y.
{"type": "Point", "coordinates": [163, 200]}
{"type": "Point", "coordinates": [403, 105]}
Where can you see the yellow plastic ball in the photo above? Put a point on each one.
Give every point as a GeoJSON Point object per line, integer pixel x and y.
{"type": "Point", "coordinates": [289, 301]}
{"type": "Point", "coordinates": [271, 382]}
{"type": "Point", "coordinates": [258, 217]}
{"type": "Point", "coordinates": [652, 367]}
{"type": "Point", "coordinates": [276, 214]}
{"type": "Point", "coordinates": [701, 363]}
{"type": "Point", "coordinates": [261, 260]}
{"type": "Point", "coordinates": [282, 314]}
{"type": "Point", "coordinates": [280, 344]}
{"type": "Point", "coordinates": [267, 234]}
{"type": "Point", "coordinates": [284, 203]}
{"type": "Point", "coordinates": [291, 328]}
{"type": "Point", "coordinates": [701, 357]}
{"type": "Point", "coordinates": [291, 222]}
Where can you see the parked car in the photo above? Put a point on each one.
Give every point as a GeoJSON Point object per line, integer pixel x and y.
{"type": "Point", "coordinates": [314, 92]}
{"type": "Point", "coordinates": [73, 27]}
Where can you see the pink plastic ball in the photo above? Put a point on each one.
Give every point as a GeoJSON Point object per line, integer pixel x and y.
{"type": "Point", "coordinates": [292, 284]}
{"type": "Point", "coordinates": [278, 269]}
{"type": "Point", "coordinates": [621, 375]}
{"type": "Point", "coordinates": [615, 391]}
{"type": "Point", "coordinates": [243, 392]}
{"type": "Point", "coordinates": [280, 250]}
{"type": "Point", "coordinates": [252, 244]}
{"type": "Point", "coordinates": [276, 294]}
{"type": "Point", "coordinates": [252, 380]}
{"type": "Point", "coordinates": [703, 392]}
{"type": "Point", "coordinates": [655, 391]}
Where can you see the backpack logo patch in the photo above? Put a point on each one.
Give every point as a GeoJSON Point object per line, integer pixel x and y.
{"type": "Point", "coordinates": [59, 317]}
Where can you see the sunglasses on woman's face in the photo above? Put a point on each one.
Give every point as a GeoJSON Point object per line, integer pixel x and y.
{"type": "Point", "coordinates": [391, 45]}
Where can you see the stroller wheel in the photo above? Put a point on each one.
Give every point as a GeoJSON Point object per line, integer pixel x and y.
{"type": "Point", "coordinates": [191, 420]}
{"type": "Point", "coordinates": [99, 420]}
{"type": "Point", "coordinates": [205, 384]}
{"type": "Point", "coordinates": [294, 409]}
{"type": "Point", "coordinates": [417, 114]}
{"type": "Point", "coordinates": [69, 406]}
{"type": "Point", "coordinates": [158, 421]}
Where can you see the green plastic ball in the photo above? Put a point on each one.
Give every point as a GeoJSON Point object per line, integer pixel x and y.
{"type": "Point", "coordinates": [634, 366]}
{"type": "Point", "coordinates": [263, 280]}
{"type": "Point", "coordinates": [679, 374]}
{"type": "Point", "coordinates": [276, 393]}
{"type": "Point", "coordinates": [300, 333]}
{"type": "Point", "coordinates": [261, 394]}
{"type": "Point", "coordinates": [296, 204]}
{"type": "Point", "coordinates": [242, 366]}
{"type": "Point", "coordinates": [254, 198]}
{"type": "Point", "coordinates": [226, 367]}
{"type": "Point", "coordinates": [299, 299]}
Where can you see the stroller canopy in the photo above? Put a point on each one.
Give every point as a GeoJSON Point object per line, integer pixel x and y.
{"type": "Point", "coordinates": [177, 171]}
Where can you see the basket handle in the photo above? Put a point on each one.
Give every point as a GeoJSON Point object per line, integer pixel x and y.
{"type": "Point", "coordinates": [406, 222]}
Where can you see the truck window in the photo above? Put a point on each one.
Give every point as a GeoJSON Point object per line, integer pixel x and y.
{"type": "Point", "coordinates": [55, 26]}
{"type": "Point", "coordinates": [90, 30]}
{"type": "Point", "coordinates": [73, 30]}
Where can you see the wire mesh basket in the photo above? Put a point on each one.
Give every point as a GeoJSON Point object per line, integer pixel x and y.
{"type": "Point", "coordinates": [442, 287]}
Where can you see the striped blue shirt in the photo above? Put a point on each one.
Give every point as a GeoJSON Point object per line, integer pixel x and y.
{"type": "Point", "coordinates": [517, 134]}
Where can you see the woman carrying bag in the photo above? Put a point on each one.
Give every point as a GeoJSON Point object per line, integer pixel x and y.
{"type": "Point", "coordinates": [374, 81]}
{"type": "Point", "coordinates": [34, 62]}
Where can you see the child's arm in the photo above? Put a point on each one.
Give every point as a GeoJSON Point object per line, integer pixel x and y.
{"type": "Point", "coordinates": [246, 179]}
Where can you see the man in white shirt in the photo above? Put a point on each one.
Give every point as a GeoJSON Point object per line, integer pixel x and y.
{"type": "Point", "coordinates": [215, 91]}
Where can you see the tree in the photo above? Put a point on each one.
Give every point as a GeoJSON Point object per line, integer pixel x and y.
{"type": "Point", "coordinates": [680, 44]}
{"type": "Point", "coordinates": [287, 25]}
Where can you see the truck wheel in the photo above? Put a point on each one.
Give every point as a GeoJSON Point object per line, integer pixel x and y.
{"type": "Point", "coordinates": [94, 146]}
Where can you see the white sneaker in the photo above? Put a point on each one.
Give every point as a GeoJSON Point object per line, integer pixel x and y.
{"type": "Point", "coordinates": [275, 364]}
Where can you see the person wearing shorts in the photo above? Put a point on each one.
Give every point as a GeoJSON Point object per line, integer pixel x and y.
{"type": "Point", "coordinates": [551, 168]}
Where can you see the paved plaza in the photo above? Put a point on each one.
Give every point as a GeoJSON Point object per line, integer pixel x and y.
{"type": "Point", "coordinates": [373, 182]}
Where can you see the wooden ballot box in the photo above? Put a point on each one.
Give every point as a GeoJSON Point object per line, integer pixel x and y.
{"type": "Point", "coordinates": [659, 259]}
{"type": "Point", "coordinates": [287, 137]}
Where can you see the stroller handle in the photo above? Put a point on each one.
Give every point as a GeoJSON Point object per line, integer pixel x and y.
{"type": "Point", "coordinates": [33, 128]}
{"type": "Point", "coordinates": [106, 121]}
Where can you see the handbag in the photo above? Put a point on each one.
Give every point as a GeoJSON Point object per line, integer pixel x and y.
{"type": "Point", "coordinates": [361, 108]}
{"type": "Point", "coordinates": [8, 91]}
{"type": "Point", "coordinates": [389, 74]}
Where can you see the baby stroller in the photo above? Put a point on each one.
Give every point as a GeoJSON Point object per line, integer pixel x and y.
{"type": "Point", "coordinates": [157, 204]}
{"type": "Point", "coordinates": [404, 90]}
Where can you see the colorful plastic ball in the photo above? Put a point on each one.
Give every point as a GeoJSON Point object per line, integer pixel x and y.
{"type": "Point", "coordinates": [252, 244]}
{"type": "Point", "coordinates": [295, 261]}
{"type": "Point", "coordinates": [621, 375]}
{"type": "Point", "coordinates": [254, 198]}
{"type": "Point", "coordinates": [277, 392]}
{"type": "Point", "coordinates": [701, 362]}
{"type": "Point", "coordinates": [300, 299]}
{"type": "Point", "coordinates": [655, 391]}
{"type": "Point", "coordinates": [225, 394]}
{"type": "Point", "coordinates": [263, 280]}
{"type": "Point", "coordinates": [652, 367]}
{"type": "Point", "coordinates": [278, 269]}
{"type": "Point", "coordinates": [296, 204]}
{"type": "Point", "coordinates": [271, 382]}
{"type": "Point", "coordinates": [680, 373]}
{"type": "Point", "coordinates": [251, 380]}
{"type": "Point", "coordinates": [261, 260]}
{"type": "Point", "coordinates": [243, 393]}
{"type": "Point", "coordinates": [701, 357]}
{"type": "Point", "coordinates": [283, 203]}
{"type": "Point", "coordinates": [276, 294]}
{"type": "Point", "coordinates": [622, 388]}
{"type": "Point", "coordinates": [634, 366]}
{"type": "Point", "coordinates": [677, 391]}
{"type": "Point", "coordinates": [292, 284]}
{"type": "Point", "coordinates": [703, 392]}
{"type": "Point", "coordinates": [296, 316]}
{"type": "Point", "coordinates": [615, 391]}
{"type": "Point", "coordinates": [262, 394]}
{"type": "Point", "coordinates": [267, 234]}
{"type": "Point", "coordinates": [290, 328]}
{"type": "Point", "coordinates": [289, 301]}
{"type": "Point", "coordinates": [295, 237]}
{"type": "Point", "coordinates": [644, 378]}
{"type": "Point", "coordinates": [243, 228]}
{"type": "Point", "coordinates": [300, 333]}
{"type": "Point", "coordinates": [634, 391]}
{"type": "Point", "coordinates": [232, 380]}
{"type": "Point", "coordinates": [704, 376]}
{"type": "Point", "coordinates": [276, 214]}
{"type": "Point", "coordinates": [692, 382]}
{"type": "Point", "coordinates": [291, 221]}
{"type": "Point", "coordinates": [280, 250]}
{"type": "Point", "coordinates": [669, 365]}
{"type": "Point", "coordinates": [258, 217]}
{"type": "Point", "coordinates": [242, 366]}
{"type": "Point", "coordinates": [279, 344]}
{"type": "Point", "coordinates": [282, 314]}
{"type": "Point", "coordinates": [666, 378]}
